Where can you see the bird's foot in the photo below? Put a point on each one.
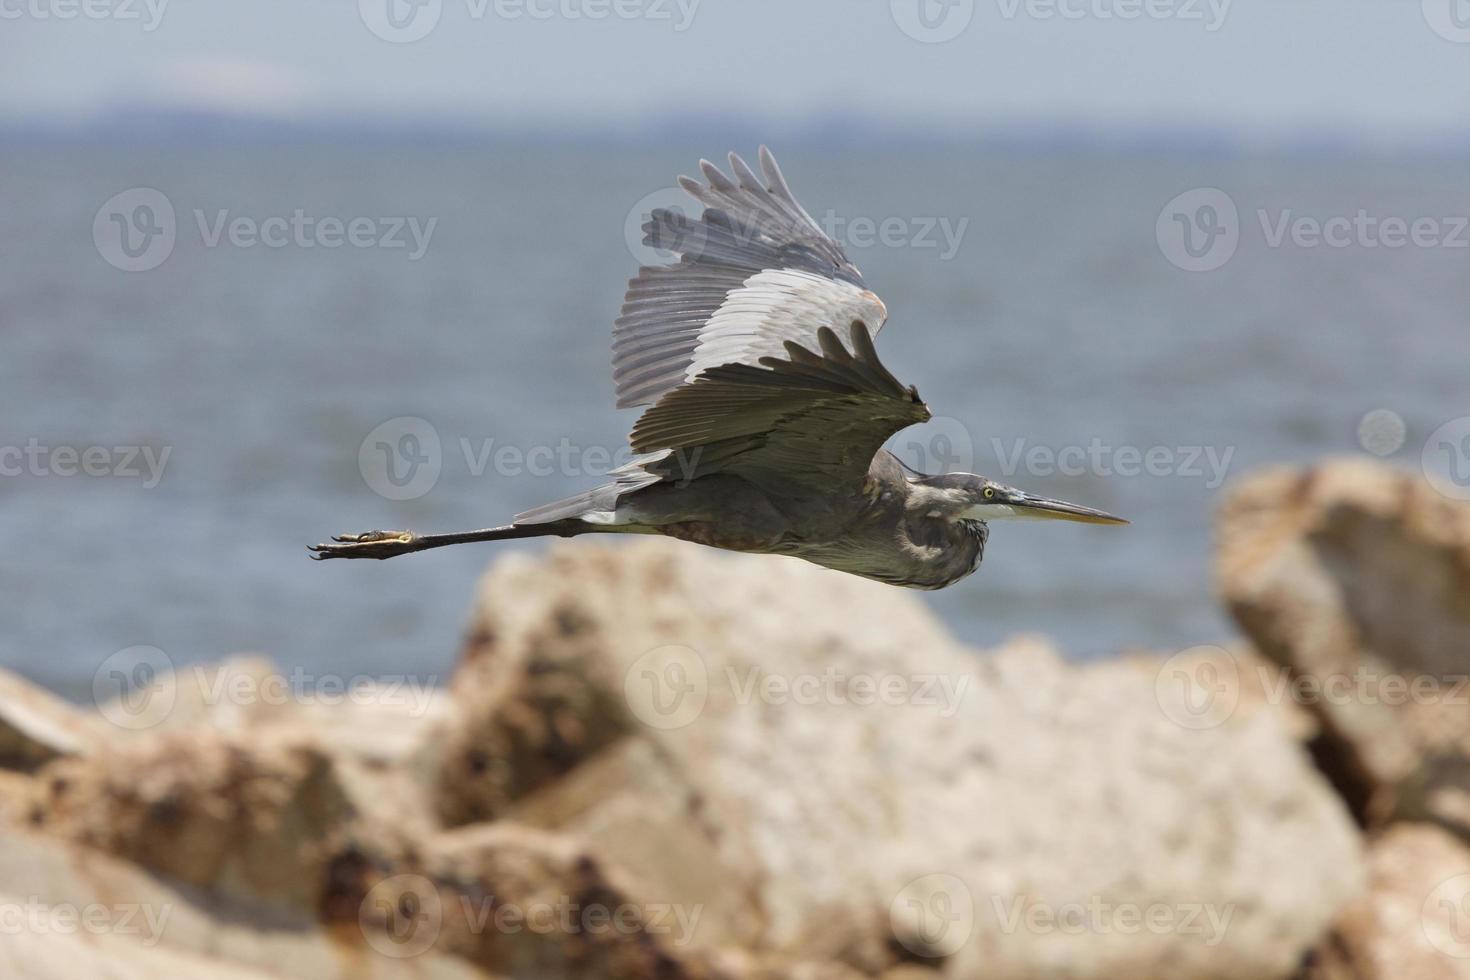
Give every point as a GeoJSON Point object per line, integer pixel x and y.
{"type": "Point", "coordinates": [369, 544]}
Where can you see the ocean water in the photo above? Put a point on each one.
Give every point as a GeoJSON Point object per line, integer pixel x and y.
{"type": "Point", "coordinates": [1031, 302]}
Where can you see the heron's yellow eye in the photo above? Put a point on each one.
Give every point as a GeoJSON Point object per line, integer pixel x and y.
{"type": "Point", "coordinates": [989, 492]}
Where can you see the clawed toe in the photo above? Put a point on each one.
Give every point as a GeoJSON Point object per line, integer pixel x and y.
{"type": "Point", "coordinates": [367, 537]}
{"type": "Point", "coordinates": [369, 544]}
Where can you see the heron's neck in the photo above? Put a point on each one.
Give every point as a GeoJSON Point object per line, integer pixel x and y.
{"type": "Point", "coordinates": [935, 503]}
{"type": "Point", "coordinates": [953, 547]}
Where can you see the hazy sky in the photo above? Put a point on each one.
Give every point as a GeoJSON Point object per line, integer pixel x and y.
{"type": "Point", "coordinates": [1386, 68]}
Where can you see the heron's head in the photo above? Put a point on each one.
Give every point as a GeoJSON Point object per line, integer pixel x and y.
{"type": "Point", "coordinates": [965, 496]}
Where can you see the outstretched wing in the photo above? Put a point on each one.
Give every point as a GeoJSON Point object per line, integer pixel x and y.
{"type": "Point", "coordinates": [736, 346]}
{"type": "Point", "coordinates": [754, 272]}
{"type": "Point", "coordinates": [808, 418]}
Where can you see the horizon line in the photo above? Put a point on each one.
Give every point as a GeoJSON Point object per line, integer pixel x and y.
{"type": "Point", "coordinates": [178, 123]}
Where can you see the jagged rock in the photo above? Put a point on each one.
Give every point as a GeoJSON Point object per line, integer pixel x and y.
{"type": "Point", "coordinates": [539, 690]}
{"type": "Point", "coordinates": [36, 727]}
{"type": "Point", "coordinates": [638, 802]}
{"type": "Point", "coordinates": [379, 734]}
{"type": "Point", "coordinates": [380, 721]}
{"type": "Point", "coordinates": [1356, 579]}
{"type": "Point", "coordinates": [811, 754]}
{"type": "Point", "coordinates": [522, 723]}
{"type": "Point", "coordinates": [75, 912]}
{"type": "Point", "coordinates": [1414, 921]}
{"type": "Point", "coordinates": [229, 694]}
{"type": "Point", "coordinates": [515, 901]}
{"type": "Point", "coordinates": [522, 902]}
{"type": "Point", "coordinates": [52, 949]}
{"type": "Point", "coordinates": [1244, 683]}
{"type": "Point", "coordinates": [251, 821]}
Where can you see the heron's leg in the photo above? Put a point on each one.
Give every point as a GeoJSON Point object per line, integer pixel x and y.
{"type": "Point", "coordinates": [390, 544]}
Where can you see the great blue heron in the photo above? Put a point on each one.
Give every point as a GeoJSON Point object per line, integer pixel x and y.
{"type": "Point", "coordinates": [768, 409]}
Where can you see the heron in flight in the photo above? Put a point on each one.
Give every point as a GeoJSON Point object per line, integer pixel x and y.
{"type": "Point", "coordinates": [767, 409]}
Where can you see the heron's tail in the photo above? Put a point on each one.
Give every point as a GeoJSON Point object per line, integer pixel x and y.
{"type": "Point", "coordinates": [566, 511]}
{"type": "Point", "coordinates": [598, 507]}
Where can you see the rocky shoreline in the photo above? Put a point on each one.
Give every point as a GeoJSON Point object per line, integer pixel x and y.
{"type": "Point", "coordinates": [660, 761]}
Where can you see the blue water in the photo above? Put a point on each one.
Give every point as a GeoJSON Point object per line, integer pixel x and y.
{"type": "Point", "coordinates": [1057, 320]}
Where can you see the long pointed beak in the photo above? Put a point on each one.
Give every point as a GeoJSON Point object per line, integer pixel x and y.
{"type": "Point", "coordinates": [1030, 505]}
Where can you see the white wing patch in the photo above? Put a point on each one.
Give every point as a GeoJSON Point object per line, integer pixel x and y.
{"type": "Point", "coordinates": [777, 305]}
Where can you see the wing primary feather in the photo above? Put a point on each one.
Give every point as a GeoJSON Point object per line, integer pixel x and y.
{"type": "Point", "coordinates": [716, 177]}
{"type": "Point", "coordinates": [751, 271]}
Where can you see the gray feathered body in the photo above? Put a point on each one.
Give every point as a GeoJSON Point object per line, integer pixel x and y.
{"type": "Point", "coordinates": [886, 527]}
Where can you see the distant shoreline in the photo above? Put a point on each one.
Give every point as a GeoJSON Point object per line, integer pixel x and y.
{"type": "Point", "coordinates": [829, 133]}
